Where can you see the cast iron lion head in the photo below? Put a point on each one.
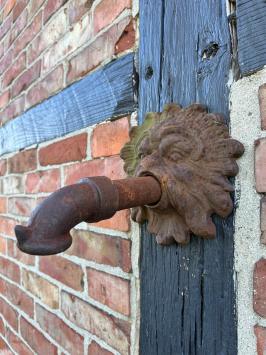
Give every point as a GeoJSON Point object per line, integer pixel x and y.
{"type": "Point", "coordinates": [191, 154]}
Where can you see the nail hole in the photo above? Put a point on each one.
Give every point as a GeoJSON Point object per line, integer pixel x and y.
{"type": "Point", "coordinates": [148, 73]}
{"type": "Point", "coordinates": [210, 51]}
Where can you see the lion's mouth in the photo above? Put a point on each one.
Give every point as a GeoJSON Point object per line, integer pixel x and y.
{"type": "Point", "coordinates": [148, 173]}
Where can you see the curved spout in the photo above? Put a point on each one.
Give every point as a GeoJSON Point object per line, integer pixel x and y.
{"type": "Point", "coordinates": [90, 200]}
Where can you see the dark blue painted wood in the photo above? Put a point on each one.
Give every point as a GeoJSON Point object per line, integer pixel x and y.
{"type": "Point", "coordinates": [107, 93]}
{"type": "Point", "coordinates": [187, 293]}
{"type": "Point", "coordinates": [251, 33]}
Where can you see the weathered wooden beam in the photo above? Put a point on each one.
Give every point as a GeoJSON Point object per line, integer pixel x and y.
{"type": "Point", "coordinates": [251, 33]}
{"type": "Point", "coordinates": [106, 93]}
{"type": "Point", "coordinates": [187, 293]}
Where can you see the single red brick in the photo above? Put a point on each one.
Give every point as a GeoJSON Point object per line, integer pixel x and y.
{"type": "Point", "coordinates": [7, 226]}
{"type": "Point", "coordinates": [3, 245]}
{"type": "Point", "coordinates": [120, 221]}
{"type": "Point", "coordinates": [111, 167]}
{"type": "Point", "coordinates": [107, 11]}
{"type": "Point", "coordinates": [260, 164]}
{"type": "Point", "coordinates": [63, 270]}
{"type": "Point", "coordinates": [36, 339]}
{"type": "Point", "coordinates": [262, 102]}
{"type": "Point", "coordinates": [6, 61]}
{"type": "Point", "coordinates": [3, 167]}
{"type": "Point", "coordinates": [78, 8]}
{"type": "Point", "coordinates": [3, 204]}
{"type": "Point", "coordinates": [52, 83]}
{"type": "Point", "coordinates": [99, 50]}
{"type": "Point", "coordinates": [109, 138]}
{"type": "Point", "coordinates": [260, 333]}
{"type": "Point", "coordinates": [51, 7]}
{"type": "Point", "coordinates": [69, 149]}
{"type": "Point", "coordinates": [110, 290]}
{"type": "Point", "coordinates": [47, 292]}
{"type": "Point", "coordinates": [19, 26]}
{"type": "Point", "coordinates": [13, 72]}
{"type": "Point", "coordinates": [8, 7]}
{"type": "Point", "coordinates": [113, 331]}
{"type": "Point", "coordinates": [96, 349]}
{"type": "Point", "coordinates": [13, 184]}
{"type": "Point", "coordinates": [12, 110]}
{"type": "Point", "coordinates": [23, 161]}
{"type": "Point", "coordinates": [20, 6]}
{"type": "Point", "coordinates": [17, 297]}
{"type": "Point", "coordinates": [4, 99]}
{"type": "Point", "coordinates": [22, 206]}
{"type": "Point", "coordinates": [17, 344]}
{"type": "Point", "coordinates": [9, 314]}
{"type": "Point", "coordinates": [43, 181]}
{"type": "Point", "coordinates": [75, 172]}
{"type": "Point", "coordinates": [28, 34]}
{"type": "Point", "coordinates": [14, 252]}
{"type": "Point", "coordinates": [9, 269]}
{"type": "Point", "coordinates": [59, 331]}
{"type": "Point", "coordinates": [7, 42]}
{"type": "Point", "coordinates": [101, 249]}
{"type": "Point", "coordinates": [5, 26]}
{"type": "Point", "coordinates": [259, 287]}
{"type": "Point", "coordinates": [127, 39]}
{"type": "Point", "coordinates": [26, 78]}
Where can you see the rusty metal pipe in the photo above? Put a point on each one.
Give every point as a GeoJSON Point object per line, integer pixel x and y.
{"type": "Point", "coordinates": [90, 200]}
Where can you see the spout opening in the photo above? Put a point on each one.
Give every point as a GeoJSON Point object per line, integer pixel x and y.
{"type": "Point", "coordinates": [28, 243]}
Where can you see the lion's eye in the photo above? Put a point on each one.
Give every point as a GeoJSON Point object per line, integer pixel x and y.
{"type": "Point", "coordinates": [176, 151]}
{"type": "Point", "coordinates": [174, 155]}
{"type": "Point", "coordinates": [141, 155]}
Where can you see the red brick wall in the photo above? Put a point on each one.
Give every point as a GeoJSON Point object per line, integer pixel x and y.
{"type": "Point", "coordinates": [259, 276]}
{"type": "Point", "coordinates": [47, 44]}
{"type": "Point", "coordinates": [84, 292]}
{"type": "Point", "coordinates": [81, 301]}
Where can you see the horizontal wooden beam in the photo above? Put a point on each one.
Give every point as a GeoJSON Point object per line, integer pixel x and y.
{"type": "Point", "coordinates": [251, 33]}
{"type": "Point", "coordinates": [106, 93]}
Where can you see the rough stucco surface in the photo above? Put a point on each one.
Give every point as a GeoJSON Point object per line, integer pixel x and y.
{"type": "Point", "coordinates": [245, 126]}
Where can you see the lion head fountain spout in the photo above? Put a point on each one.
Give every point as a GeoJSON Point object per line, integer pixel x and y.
{"type": "Point", "coordinates": [179, 160]}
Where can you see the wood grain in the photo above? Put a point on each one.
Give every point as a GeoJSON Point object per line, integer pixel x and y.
{"type": "Point", "coordinates": [187, 293]}
{"type": "Point", "coordinates": [251, 33]}
{"type": "Point", "coordinates": [107, 93]}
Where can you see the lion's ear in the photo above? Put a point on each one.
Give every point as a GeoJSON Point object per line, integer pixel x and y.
{"type": "Point", "coordinates": [130, 152]}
